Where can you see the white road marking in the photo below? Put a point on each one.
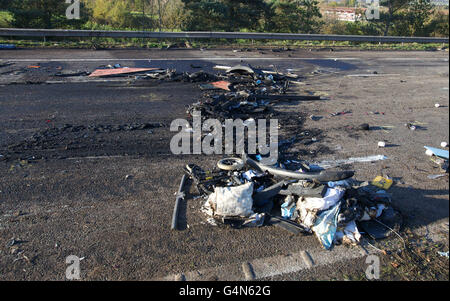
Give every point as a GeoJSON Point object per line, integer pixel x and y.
{"type": "Point", "coordinates": [295, 262]}
{"type": "Point", "coordinates": [271, 266]}
{"type": "Point", "coordinates": [248, 271]}
{"type": "Point", "coordinates": [307, 259]}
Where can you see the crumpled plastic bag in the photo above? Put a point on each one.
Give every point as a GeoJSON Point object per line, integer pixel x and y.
{"type": "Point", "coordinates": [349, 234]}
{"type": "Point", "coordinates": [232, 201]}
{"type": "Point", "coordinates": [331, 197]}
{"type": "Point", "coordinates": [309, 206]}
{"type": "Point", "coordinates": [326, 225]}
{"type": "Point", "coordinates": [307, 217]}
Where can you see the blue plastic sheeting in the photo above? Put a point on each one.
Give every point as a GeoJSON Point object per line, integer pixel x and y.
{"type": "Point", "coordinates": [438, 152]}
{"type": "Point", "coordinates": [288, 208]}
{"type": "Point", "coordinates": [326, 225]}
{"type": "Point", "coordinates": [7, 46]}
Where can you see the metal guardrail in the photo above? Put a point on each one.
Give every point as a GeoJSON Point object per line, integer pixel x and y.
{"type": "Point", "coordinates": [15, 32]}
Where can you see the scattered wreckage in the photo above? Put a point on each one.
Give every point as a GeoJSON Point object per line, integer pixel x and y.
{"type": "Point", "coordinates": [245, 191]}
{"type": "Point", "coordinates": [249, 191]}
{"type": "Point", "coordinates": [241, 192]}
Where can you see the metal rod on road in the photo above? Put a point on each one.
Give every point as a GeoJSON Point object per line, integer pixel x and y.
{"type": "Point", "coordinates": [180, 197]}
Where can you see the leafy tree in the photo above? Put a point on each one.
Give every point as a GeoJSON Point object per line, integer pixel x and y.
{"type": "Point", "coordinates": [296, 16]}
{"type": "Point", "coordinates": [420, 13]}
{"type": "Point", "coordinates": [393, 7]}
{"type": "Point", "coordinates": [174, 15]}
{"type": "Point", "coordinates": [41, 13]}
{"type": "Point", "coordinates": [6, 19]}
{"type": "Point", "coordinates": [111, 12]}
{"type": "Point", "coordinates": [226, 15]}
{"type": "Point", "coordinates": [439, 24]}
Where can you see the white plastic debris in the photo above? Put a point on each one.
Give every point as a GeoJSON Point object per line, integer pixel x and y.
{"type": "Point", "coordinates": [429, 153]}
{"type": "Point", "coordinates": [307, 217]}
{"type": "Point", "coordinates": [435, 177]}
{"type": "Point", "coordinates": [334, 163]}
{"type": "Point", "coordinates": [249, 175]}
{"type": "Point", "coordinates": [211, 221]}
{"type": "Point", "coordinates": [352, 233]}
{"type": "Point", "coordinates": [331, 197]}
{"type": "Point", "coordinates": [343, 183]}
{"type": "Point", "coordinates": [231, 201]}
{"type": "Point", "coordinates": [256, 220]}
{"type": "Point", "coordinates": [309, 206]}
{"type": "Point", "coordinates": [373, 212]}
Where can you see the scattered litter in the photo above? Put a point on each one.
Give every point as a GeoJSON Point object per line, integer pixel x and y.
{"type": "Point", "coordinates": [223, 85]}
{"type": "Point", "coordinates": [371, 75]}
{"type": "Point", "coordinates": [429, 153]}
{"type": "Point", "coordinates": [326, 225]}
{"type": "Point", "coordinates": [381, 144]}
{"type": "Point", "coordinates": [432, 151]}
{"type": "Point", "coordinates": [225, 68]}
{"type": "Point", "coordinates": [119, 71]}
{"type": "Point", "coordinates": [382, 182]}
{"type": "Point", "coordinates": [250, 196]}
{"type": "Point", "coordinates": [256, 220]}
{"type": "Point", "coordinates": [6, 64]}
{"type": "Point", "coordinates": [364, 127]}
{"type": "Point", "coordinates": [341, 113]}
{"type": "Point", "coordinates": [335, 163]}
{"type": "Point", "coordinates": [288, 208]}
{"type": "Point", "coordinates": [411, 126]}
{"type": "Point", "coordinates": [442, 163]}
{"type": "Point", "coordinates": [257, 190]}
{"type": "Point", "coordinates": [344, 183]}
{"type": "Point", "coordinates": [241, 70]}
{"type": "Point", "coordinates": [383, 226]}
{"type": "Point", "coordinates": [434, 177]}
{"type": "Point", "coordinates": [231, 201]}
{"type": "Point", "coordinates": [315, 118]}
{"type": "Point", "coordinates": [72, 74]}
{"type": "Point", "coordinates": [249, 175]}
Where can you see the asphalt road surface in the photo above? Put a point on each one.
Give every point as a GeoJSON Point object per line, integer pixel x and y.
{"type": "Point", "coordinates": [96, 188]}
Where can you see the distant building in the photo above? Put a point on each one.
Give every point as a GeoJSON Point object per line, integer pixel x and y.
{"type": "Point", "coordinates": [349, 14]}
{"type": "Point", "coordinates": [440, 2]}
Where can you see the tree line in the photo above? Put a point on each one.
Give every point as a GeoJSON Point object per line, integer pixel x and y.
{"type": "Point", "coordinates": [396, 17]}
